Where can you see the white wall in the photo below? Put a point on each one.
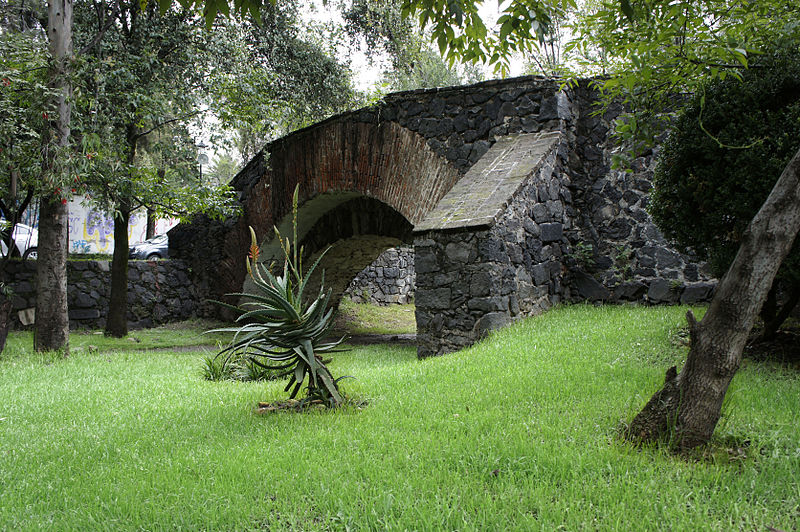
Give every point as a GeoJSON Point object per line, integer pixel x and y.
{"type": "Point", "coordinates": [92, 231]}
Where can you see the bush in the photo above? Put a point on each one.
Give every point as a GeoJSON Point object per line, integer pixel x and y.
{"type": "Point", "coordinates": [237, 369]}
{"type": "Point", "coordinates": [727, 150]}
{"type": "Point", "coordinates": [282, 332]}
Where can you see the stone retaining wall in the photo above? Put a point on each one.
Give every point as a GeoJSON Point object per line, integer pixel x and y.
{"type": "Point", "coordinates": [388, 280]}
{"type": "Point", "coordinates": [158, 292]}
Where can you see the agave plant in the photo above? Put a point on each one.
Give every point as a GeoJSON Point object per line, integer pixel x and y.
{"type": "Point", "coordinates": [283, 330]}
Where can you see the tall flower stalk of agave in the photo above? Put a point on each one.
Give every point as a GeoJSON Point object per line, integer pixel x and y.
{"type": "Point", "coordinates": [279, 330]}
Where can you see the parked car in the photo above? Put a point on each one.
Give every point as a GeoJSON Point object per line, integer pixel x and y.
{"type": "Point", "coordinates": [26, 238]}
{"type": "Point", "coordinates": [155, 248]}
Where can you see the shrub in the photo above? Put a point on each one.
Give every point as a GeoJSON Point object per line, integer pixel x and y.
{"type": "Point", "coordinates": [237, 369]}
{"type": "Point", "coordinates": [282, 331]}
{"type": "Point", "coordinates": [728, 148]}
{"type": "Point", "coordinates": [725, 153]}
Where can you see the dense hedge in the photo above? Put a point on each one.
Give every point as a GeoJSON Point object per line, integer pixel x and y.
{"type": "Point", "coordinates": [708, 185]}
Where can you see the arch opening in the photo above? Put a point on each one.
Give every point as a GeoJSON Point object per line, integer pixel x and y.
{"type": "Point", "coordinates": [353, 230]}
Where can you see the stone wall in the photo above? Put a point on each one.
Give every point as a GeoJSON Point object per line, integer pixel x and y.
{"type": "Point", "coordinates": [472, 281]}
{"type": "Point", "coordinates": [158, 292]}
{"type": "Point", "coordinates": [571, 229]}
{"type": "Point", "coordinates": [388, 280]}
{"type": "Point", "coordinates": [617, 252]}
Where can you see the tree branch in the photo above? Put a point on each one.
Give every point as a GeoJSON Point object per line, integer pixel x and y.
{"type": "Point", "coordinates": [164, 123]}
{"type": "Point", "coordinates": [102, 31]}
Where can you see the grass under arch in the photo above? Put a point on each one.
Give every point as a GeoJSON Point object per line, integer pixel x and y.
{"type": "Point", "coordinates": [515, 433]}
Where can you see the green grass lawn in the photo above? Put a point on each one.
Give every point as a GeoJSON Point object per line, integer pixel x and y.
{"type": "Point", "coordinates": [516, 433]}
{"type": "Point", "coordinates": [182, 334]}
{"type": "Point", "coordinates": [364, 318]}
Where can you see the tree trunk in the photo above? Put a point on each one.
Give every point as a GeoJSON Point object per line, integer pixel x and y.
{"type": "Point", "coordinates": [52, 322]}
{"type": "Point", "coordinates": [117, 317]}
{"type": "Point", "coordinates": [151, 224]}
{"type": "Point", "coordinates": [691, 401]}
{"type": "Point", "coordinates": [6, 306]}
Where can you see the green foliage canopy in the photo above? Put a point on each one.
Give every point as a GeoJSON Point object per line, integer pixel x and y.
{"type": "Point", "coordinates": [461, 34]}
{"type": "Point", "coordinates": [723, 156]}
{"type": "Point", "coordinates": [24, 108]}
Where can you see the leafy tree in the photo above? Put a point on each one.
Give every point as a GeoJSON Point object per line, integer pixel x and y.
{"type": "Point", "coordinates": [276, 78]}
{"type": "Point", "coordinates": [223, 168]}
{"type": "Point", "coordinates": [52, 324]}
{"type": "Point", "coordinates": [24, 112]}
{"type": "Point", "coordinates": [414, 64]}
{"type": "Point", "coordinates": [653, 50]}
{"type": "Point", "coordinates": [461, 35]}
{"type": "Point", "coordinates": [140, 79]}
{"type": "Point", "coordinates": [720, 161]}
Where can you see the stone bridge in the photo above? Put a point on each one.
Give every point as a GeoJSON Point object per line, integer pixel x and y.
{"type": "Point", "coordinates": [503, 187]}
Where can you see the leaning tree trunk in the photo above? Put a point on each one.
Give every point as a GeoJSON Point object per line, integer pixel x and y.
{"type": "Point", "coordinates": [691, 400]}
{"type": "Point", "coordinates": [52, 322]}
{"type": "Point", "coordinates": [117, 317]}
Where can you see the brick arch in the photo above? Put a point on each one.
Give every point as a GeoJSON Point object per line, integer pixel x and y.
{"type": "Point", "coordinates": [383, 161]}
{"type": "Point", "coordinates": [353, 234]}
{"type": "Point", "coordinates": [382, 176]}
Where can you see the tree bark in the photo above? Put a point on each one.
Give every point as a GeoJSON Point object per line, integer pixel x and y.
{"type": "Point", "coordinates": [690, 402]}
{"type": "Point", "coordinates": [151, 224]}
{"type": "Point", "coordinates": [52, 321]}
{"type": "Point", "coordinates": [6, 306]}
{"type": "Point", "coordinates": [117, 317]}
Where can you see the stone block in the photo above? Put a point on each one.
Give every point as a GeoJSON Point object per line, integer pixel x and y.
{"type": "Point", "coordinates": [697, 293]}
{"type": "Point", "coordinates": [506, 109]}
{"type": "Point", "coordinates": [27, 316]}
{"type": "Point", "coordinates": [458, 252]}
{"type": "Point", "coordinates": [488, 304]}
{"type": "Point", "coordinates": [662, 291]}
{"type": "Point", "coordinates": [83, 300]}
{"type": "Point", "coordinates": [436, 298]}
{"type": "Point", "coordinates": [491, 322]}
{"type": "Point", "coordinates": [551, 232]}
{"type": "Point", "coordinates": [460, 123]}
{"type": "Point", "coordinates": [666, 258]}
{"type": "Point", "coordinates": [480, 284]}
{"type": "Point", "coordinates": [541, 274]}
{"type": "Point", "coordinates": [589, 288]}
{"type": "Point", "coordinates": [479, 148]}
{"type": "Point", "coordinates": [425, 260]}
{"type": "Point", "coordinates": [492, 250]}
{"type": "Point", "coordinates": [84, 314]}
{"type": "Point", "coordinates": [630, 291]}
{"type": "Point", "coordinates": [540, 213]}
{"type": "Point", "coordinates": [555, 107]}
{"type": "Point", "coordinates": [555, 208]}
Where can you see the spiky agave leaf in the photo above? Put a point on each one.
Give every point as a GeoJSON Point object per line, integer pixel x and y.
{"type": "Point", "coordinates": [278, 330]}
